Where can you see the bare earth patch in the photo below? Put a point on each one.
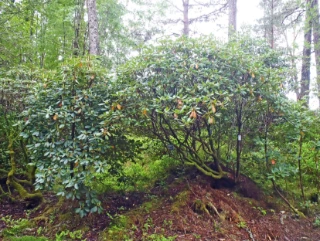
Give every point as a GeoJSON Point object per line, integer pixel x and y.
{"type": "Point", "coordinates": [187, 208]}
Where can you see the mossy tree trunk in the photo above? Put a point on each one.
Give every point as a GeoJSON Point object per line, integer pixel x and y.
{"type": "Point", "coordinates": [33, 198]}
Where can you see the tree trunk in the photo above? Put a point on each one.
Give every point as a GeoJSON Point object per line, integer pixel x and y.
{"type": "Point", "coordinates": [239, 139]}
{"type": "Point", "coordinates": [316, 38]}
{"type": "Point", "coordinates": [272, 25]}
{"type": "Point", "coordinates": [299, 165]}
{"type": "Point", "coordinates": [185, 17]}
{"type": "Point", "coordinates": [78, 17]}
{"type": "Point", "coordinates": [305, 70]}
{"type": "Point", "coordinates": [232, 17]}
{"type": "Point", "coordinates": [93, 27]}
{"type": "Point", "coordinates": [266, 131]}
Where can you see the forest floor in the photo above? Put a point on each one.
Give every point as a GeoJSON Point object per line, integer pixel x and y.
{"type": "Point", "coordinates": [184, 208]}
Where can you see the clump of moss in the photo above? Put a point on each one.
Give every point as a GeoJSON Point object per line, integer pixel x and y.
{"type": "Point", "coordinates": [28, 238]}
{"type": "Point", "coordinates": [15, 227]}
{"type": "Point", "coordinates": [124, 225]}
{"type": "Point", "coordinates": [180, 201]}
{"type": "Point", "coordinates": [150, 206]}
{"type": "Point", "coordinates": [199, 207]}
{"type": "Point", "coordinates": [119, 228]}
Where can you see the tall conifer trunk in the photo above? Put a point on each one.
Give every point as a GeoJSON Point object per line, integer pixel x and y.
{"type": "Point", "coordinates": [93, 27]}
{"type": "Point", "coordinates": [306, 57]}
{"type": "Point", "coordinates": [185, 17]}
{"type": "Point", "coordinates": [316, 38]}
{"type": "Point", "coordinates": [78, 18]}
{"type": "Point", "coordinates": [232, 17]}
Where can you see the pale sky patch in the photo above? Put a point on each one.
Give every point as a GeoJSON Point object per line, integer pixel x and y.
{"type": "Point", "coordinates": [248, 12]}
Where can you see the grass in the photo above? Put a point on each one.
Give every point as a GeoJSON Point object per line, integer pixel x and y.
{"type": "Point", "coordinates": [15, 227]}
{"type": "Point", "coordinates": [27, 238]}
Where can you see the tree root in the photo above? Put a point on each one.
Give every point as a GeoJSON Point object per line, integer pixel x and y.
{"type": "Point", "coordinates": [296, 211]}
{"type": "Point", "coordinates": [40, 219]}
{"type": "Point", "coordinates": [3, 193]}
{"type": "Point", "coordinates": [205, 207]}
{"type": "Point", "coordinates": [33, 199]}
{"type": "Point", "coordinates": [250, 233]}
{"type": "Point", "coordinates": [48, 211]}
{"type": "Point", "coordinates": [25, 182]}
{"type": "Point", "coordinates": [210, 205]}
{"type": "Point", "coordinates": [3, 172]}
{"type": "Point", "coordinates": [207, 170]}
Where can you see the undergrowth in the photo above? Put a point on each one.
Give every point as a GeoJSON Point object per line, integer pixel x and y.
{"type": "Point", "coordinates": [153, 164]}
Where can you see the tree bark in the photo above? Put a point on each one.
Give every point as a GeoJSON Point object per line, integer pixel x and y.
{"type": "Point", "coordinates": [78, 17]}
{"type": "Point", "coordinates": [232, 17]}
{"type": "Point", "coordinates": [306, 56]}
{"type": "Point", "coordinates": [316, 38]}
{"type": "Point", "coordinates": [299, 165]}
{"type": "Point", "coordinates": [93, 27]}
{"type": "Point", "coordinates": [186, 29]}
{"type": "Point", "coordinates": [272, 25]}
{"type": "Point", "coordinates": [239, 139]}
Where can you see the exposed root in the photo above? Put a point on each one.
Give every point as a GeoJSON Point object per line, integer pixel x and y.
{"type": "Point", "coordinates": [207, 170]}
{"type": "Point", "coordinates": [48, 211]}
{"type": "Point", "coordinates": [296, 211]}
{"type": "Point", "coordinates": [250, 233]}
{"type": "Point", "coordinates": [25, 182]}
{"type": "Point", "coordinates": [205, 207]}
{"type": "Point", "coordinates": [33, 199]}
{"type": "Point", "coordinates": [3, 193]}
{"type": "Point", "coordinates": [210, 205]}
{"type": "Point", "coordinates": [41, 218]}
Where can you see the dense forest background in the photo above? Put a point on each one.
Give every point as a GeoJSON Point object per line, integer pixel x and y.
{"type": "Point", "coordinates": [105, 96]}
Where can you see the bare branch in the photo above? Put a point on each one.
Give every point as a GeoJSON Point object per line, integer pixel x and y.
{"type": "Point", "coordinates": [207, 16]}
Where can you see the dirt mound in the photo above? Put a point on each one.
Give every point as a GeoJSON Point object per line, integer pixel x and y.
{"type": "Point", "coordinates": [200, 212]}
{"type": "Point", "coordinates": [187, 208]}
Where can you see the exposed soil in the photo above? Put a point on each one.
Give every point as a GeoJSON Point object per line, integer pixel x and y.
{"type": "Point", "coordinates": [190, 208]}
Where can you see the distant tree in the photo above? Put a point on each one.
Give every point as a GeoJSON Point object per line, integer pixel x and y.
{"type": "Point", "coordinates": [195, 11]}
{"type": "Point", "coordinates": [271, 21]}
{"type": "Point", "coordinates": [306, 55]}
{"type": "Point", "coordinates": [232, 26]}
{"type": "Point", "coordinates": [124, 26]}
{"type": "Point", "coordinates": [93, 27]}
{"type": "Point", "coordinates": [79, 42]}
{"type": "Point", "coordinates": [316, 39]}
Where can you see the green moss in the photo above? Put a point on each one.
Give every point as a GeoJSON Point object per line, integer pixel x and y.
{"type": "Point", "coordinates": [118, 230]}
{"type": "Point", "coordinates": [123, 226]}
{"type": "Point", "coordinates": [15, 227]}
{"type": "Point", "coordinates": [199, 207]}
{"type": "Point", "coordinates": [50, 211]}
{"type": "Point", "coordinates": [27, 238]}
{"type": "Point", "coordinates": [37, 197]}
{"type": "Point", "coordinates": [150, 206]}
{"type": "Point", "coordinates": [84, 229]}
{"type": "Point", "coordinates": [66, 217]}
{"type": "Point", "coordinates": [180, 201]}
